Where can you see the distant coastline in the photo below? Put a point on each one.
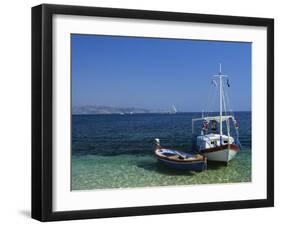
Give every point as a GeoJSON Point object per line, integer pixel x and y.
{"type": "Point", "coordinates": [101, 110]}
{"type": "Point", "coordinates": [104, 110]}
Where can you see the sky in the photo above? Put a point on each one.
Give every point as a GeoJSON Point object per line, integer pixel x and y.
{"type": "Point", "coordinates": [154, 73]}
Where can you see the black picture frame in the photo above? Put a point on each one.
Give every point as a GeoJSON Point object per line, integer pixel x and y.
{"type": "Point", "coordinates": [42, 111]}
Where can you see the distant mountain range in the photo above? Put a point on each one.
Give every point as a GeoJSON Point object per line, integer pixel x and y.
{"type": "Point", "coordinates": [109, 110]}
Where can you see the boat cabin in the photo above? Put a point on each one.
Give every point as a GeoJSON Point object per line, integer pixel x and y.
{"type": "Point", "coordinates": [212, 140]}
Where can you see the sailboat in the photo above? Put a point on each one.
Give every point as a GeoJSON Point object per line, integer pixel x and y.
{"type": "Point", "coordinates": [173, 109]}
{"type": "Point", "coordinates": [213, 142]}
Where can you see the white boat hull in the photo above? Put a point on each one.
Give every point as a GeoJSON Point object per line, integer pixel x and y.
{"type": "Point", "coordinates": [221, 156]}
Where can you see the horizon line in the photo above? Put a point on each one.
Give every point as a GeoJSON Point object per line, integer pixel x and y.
{"type": "Point", "coordinates": [164, 112]}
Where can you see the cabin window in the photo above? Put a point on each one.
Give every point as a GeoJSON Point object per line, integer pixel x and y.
{"type": "Point", "coordinates": [212, 142]}
{"type": "Point", "coordinates": [225, 141]}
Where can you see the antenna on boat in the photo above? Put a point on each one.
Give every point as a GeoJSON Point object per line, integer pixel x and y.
{"type": "Point", "coordinates": [220, 69]}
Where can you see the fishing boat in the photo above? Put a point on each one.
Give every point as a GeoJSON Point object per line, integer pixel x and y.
{"type": "Point", "coordinates": [179, 160]}
{"type": "Point", "coordinates": [215, 141]}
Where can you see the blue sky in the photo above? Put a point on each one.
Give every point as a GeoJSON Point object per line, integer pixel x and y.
{"type": "Point", "coordinates": [155, 73]}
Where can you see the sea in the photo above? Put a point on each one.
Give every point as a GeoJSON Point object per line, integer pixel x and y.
{"type": "Point", "coordinates": [116, 151]}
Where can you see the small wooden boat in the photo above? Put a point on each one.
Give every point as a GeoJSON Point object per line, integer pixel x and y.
{"type": "Point", "coordinates": [178, 159]}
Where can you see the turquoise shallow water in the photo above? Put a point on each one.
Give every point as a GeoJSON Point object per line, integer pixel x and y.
{"type": "Point", "coordinates": [114, 151]}
{"type": "Point", "coordinates": [123, 171]}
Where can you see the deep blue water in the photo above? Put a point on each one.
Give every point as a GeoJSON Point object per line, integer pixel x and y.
{"type": "Point", "coordinates": [134, 134]}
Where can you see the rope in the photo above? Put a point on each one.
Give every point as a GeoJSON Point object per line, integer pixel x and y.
{"type": "Point", "coordinates": [210, 99]}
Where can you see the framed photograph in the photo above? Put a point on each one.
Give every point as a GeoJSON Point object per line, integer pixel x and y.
{"type": "Point", "coordinates": [145, 112]}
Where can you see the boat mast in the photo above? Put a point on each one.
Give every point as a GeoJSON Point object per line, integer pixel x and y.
{"type": "Point", "coordinates": [220, 77]}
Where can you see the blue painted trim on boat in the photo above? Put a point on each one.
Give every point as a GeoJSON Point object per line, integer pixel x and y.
{"type": "Point", "coordinates": [192, 166]}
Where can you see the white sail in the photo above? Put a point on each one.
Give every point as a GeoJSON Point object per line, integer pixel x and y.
{"type": "Point", "coordinates": [173, 109]}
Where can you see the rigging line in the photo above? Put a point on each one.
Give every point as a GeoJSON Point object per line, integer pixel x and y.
{"type": "Point", "coordinates": [208, 101]}
{"type": "Point", "coordinates": [227, 109]}
{"type": "Point", "coordinates": [216, 98]}
{"type": "Point", "coordinates": [209, 97]}
{"type": "Point", "coordinates": [225, 94]}
{"type": "Point", "coordinates": [228, 102]}
{"type": "Point", "coordinates": [212, 101]}
{"type": "Point", "coordinates": [223, 99]}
